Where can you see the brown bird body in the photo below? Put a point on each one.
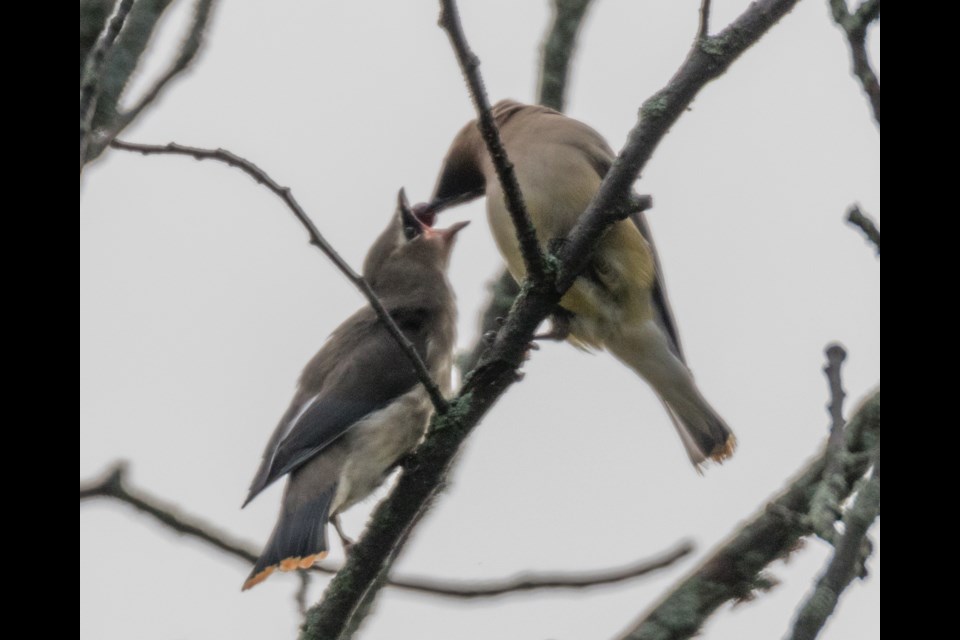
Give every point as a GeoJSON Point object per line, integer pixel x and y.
{"type": "Point", "coordinates": [620, 302]}
{"type": "Point", "coordinates": [359, 407]}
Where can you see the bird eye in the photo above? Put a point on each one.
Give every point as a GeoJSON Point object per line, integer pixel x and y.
{"type": "Point", "coordinates": [411, 231]}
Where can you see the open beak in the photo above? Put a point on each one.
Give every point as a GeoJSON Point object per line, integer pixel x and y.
{"type": "Point", "coordinates": [419, 219]}
{"type": "Point", "coordinates": [448, 234]}
{"type": "Point", "coordinates": [413, 223]}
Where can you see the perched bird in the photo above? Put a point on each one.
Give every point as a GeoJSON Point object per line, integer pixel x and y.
{"type": "Point", "coordinates": [359, 406]}
{"type": "Point", "coordinates": [619, 302]}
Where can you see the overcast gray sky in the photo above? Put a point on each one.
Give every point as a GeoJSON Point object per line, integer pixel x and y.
{"type": "Point", "coordinates": [200, 301]}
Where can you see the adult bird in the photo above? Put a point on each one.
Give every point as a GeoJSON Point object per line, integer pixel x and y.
{"type": "Point", "coordinates": [619, 303]}
{"type": "Point", "coordinates": [359, 406]}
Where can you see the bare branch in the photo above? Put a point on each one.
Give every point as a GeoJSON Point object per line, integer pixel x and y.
{"type": "Point", "coordinates": [862, 221]}
{"type": "Point", "coordinates": [707, 60]}
{"type": "Point", "coordinates": [113, 484]}
{"type": "Point", "coordinates": [855, 26]}
{"type": "Point", "coordinates": [557, 51]}
{"type": "Point", "coordinates": [188, 51]}
{"type": "Point", "coordinates": [825, 506]}
{"type": "Point", "coordinates": [93, 18]}
{"type": "Point", "coordinates": [316, 239]}
{"type": "Point", "coordinates": [425, 471]}
{"type": "Point", "coordinates": [548, 581]}
{"type": "Point", "coordinates": [703, 30]}
{"type": "Point", "coordinates": [733, 571]}
{"type": "Point", "coordinates": [847, 559]}
{"type": "Point", "coordinates": [868, 11]}
{"type": "Point", "coordinates": [470, 65]}
{"type": "Point", "coordinates": [90, 79]}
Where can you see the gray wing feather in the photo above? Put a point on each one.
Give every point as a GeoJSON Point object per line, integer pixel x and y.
{"type": "Point", "coordinates": [661, 303]}
{"type": "Point", "coordinates": [366, 370]}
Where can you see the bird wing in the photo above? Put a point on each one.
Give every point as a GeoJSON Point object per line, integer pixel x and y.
{"type": "Point", "coordinates": [364, 369]}
{"type": "Point", "coordinates": [661, 303]}
{"type": "Point", "coordinates": [601, 158]}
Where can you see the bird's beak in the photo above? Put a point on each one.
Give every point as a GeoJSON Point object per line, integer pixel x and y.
{"type": "Point", "coordinates": [412, 221]}
{"type": "Point", "coordinates": [448, 234]}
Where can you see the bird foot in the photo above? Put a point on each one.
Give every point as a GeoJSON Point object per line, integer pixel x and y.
{"type": "Point", "coordinates": [560, 321]}
{"type": "Point", "coordinates": [345, 540]}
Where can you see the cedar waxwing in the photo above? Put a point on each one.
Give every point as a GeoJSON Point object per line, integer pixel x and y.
{"type": "Point", "coordinates": [359, 407]}
{"type": "Point", "coordinates": [619, 302]}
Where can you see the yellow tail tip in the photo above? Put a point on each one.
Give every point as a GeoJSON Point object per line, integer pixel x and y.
{"type": "Point", "coordinates": [724, 450]}
{"type": "Point", "coordinates": [287, 564]}
{"type": "Point", "coordinates": [253, 581]}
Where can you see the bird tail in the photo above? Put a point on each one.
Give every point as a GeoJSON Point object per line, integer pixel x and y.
{"type": "Point", "coordinates": [298, 540]}
{"type": "Point", "coordinates": [646, 350]}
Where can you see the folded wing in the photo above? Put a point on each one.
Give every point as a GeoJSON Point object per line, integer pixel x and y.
{"type": "Point", "coordinates": [362, 374]}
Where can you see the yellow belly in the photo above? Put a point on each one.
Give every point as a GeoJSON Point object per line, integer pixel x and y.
{"type": "Point", "coordinates": [623, 262]}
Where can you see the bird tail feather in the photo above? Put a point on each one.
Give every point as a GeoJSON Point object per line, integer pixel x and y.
{"type": "Point", "coordinates": [703, 432]}
{"type": "Point", "coordinates": [298, 540]}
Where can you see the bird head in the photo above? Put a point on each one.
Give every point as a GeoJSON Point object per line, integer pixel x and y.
{"type": "Point", "coordinates": [410, 242]}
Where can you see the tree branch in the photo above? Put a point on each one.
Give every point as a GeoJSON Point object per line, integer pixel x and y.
{"type": "Point", "coordinates": [732, 572]}
{"type": "Point", "coordinates": [425, 471]}
{"type": "Point", "coordinates": [90, 79]}
{"type": "Point", "coordinates": [188, 51]}
{"type": "Point", "coordinates": [707, 60]}
{"type": "Point", "coordinates": [557, 50]}
{"type": "Point", "coordinates": [93, 19]}
{"type": "Point", "coordinates": [113, 484]}
{"type": "Point", "coordinates": [316, 239]}
{"type": "Point", "coordinates": [867, 226]}
{"type": "Point", "coordinates": [470, 66]}
{"type": "Point", "coordinates": [703, 31]}
{"type": "Point", "coordinates": [825, 506]}
{"type": "Point", "coordinates": [855, 26]}
{"type": "Point", "coordinates": [847, 559]}
{"type": "Point", "coordinates": [553, 581]}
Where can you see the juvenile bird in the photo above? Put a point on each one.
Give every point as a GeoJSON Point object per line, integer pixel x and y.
{"type": "Point", "coordinates": [619, 302]}
{"type": "Point", "coordinates": [359, 406]}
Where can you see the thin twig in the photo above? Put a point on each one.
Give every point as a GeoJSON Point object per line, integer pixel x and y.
{"type": "Point", "coordinates": [316, 239]}
{"type": "Point", "coordinates": [855, 26]}
{"type": "Point", "coordinates": [825, 506]}
{"type": "Point", "coordinates": [867, 226]}
{"type": "Point", "coordinates": [470, 66]}
{"type": "Point", "coordinates": [537, 582]}
{"type": "Point", "coordinates": [735, 570]}
{"type": "Point", "coordinates": [703, 30]}
{"type": "Point", "coordinates": [847, 559]}
{"type": "Point", "coordinates": [90, 80]}
{"type": "Point", "coordinates": [557, 50]}
{"type": "Point", "coordinates": [425, 471]}
{"type": "Point", "coordinates": [114, 485]}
